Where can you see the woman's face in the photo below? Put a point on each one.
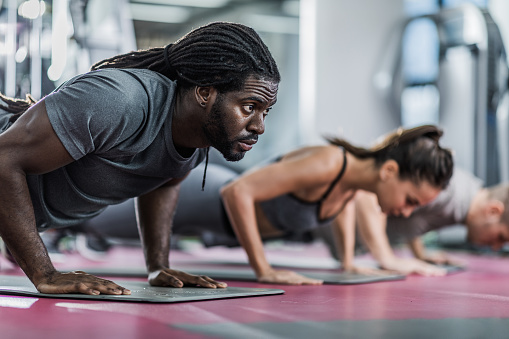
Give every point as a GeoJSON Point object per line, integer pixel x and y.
{"type": "Point", "coordinates": [400, 197]}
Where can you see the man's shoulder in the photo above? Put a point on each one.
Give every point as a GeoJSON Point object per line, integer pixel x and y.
{"type": "Point", "coordinates": [130, 86]}
{"type": "Point", "coordinates": [129, 76]}
{"type": "Point", "coordinates": [463, 177]}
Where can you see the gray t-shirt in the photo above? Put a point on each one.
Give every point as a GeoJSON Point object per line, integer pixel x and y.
{"type": "Point", "coordinates": [448, 209]}
{"type": "Point", "coordinates": [116, 124]}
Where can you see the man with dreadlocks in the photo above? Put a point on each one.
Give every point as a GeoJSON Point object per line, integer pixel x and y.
{"type": "Point", "coordinates": [132, 127]}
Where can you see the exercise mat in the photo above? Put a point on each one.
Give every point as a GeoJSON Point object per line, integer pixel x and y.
{"type": "Point", "coordinates": [140, 292]}
{"type": "Point", "coordinates": [243, 274]}
{"type": "Point", "coordinates": [453, 268]}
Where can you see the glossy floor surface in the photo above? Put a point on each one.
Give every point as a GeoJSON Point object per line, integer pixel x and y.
{"type": "Point", "coordinates": [470, 304]}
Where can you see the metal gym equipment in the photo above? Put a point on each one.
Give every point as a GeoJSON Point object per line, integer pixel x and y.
{"type": "Point", "coordinates": [472, 86]}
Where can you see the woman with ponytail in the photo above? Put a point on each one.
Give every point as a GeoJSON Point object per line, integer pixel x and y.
{"type": "Point", "coordinates": [314, 186]}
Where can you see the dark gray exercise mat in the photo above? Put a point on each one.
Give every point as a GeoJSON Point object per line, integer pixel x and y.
{"type": "Point", "coordinates": [332, 278]}
{"type": "Point", "coordinates": [242, 274]}
{"type": "Point", "coordinates": [140, 292]}
{"type": "Point", "coordinates": [450, 269]}
{"type": "Point", "coordinates": [453, 268]}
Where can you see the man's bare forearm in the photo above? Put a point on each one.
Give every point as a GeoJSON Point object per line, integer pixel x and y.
{"type": "Point", "coordinates": [155, 211]}
{"type": "Point", "coordinates": [18, 229]}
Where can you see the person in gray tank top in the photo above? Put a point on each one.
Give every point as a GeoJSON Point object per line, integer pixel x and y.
{"type": "Point", "coordinates": [484, 211]}
{"type": "Point", "coordinates": [407, 169]}
{"type": "Point", "coordinates": [305, 189]}
{"type": "Point", "coordinates": [133, 127]}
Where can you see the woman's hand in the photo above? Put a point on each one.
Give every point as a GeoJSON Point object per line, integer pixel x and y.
{"type": "Point", "coordinates": [368, 271]}
{"type": "Point", "coordinates": [411, 265]}
{"type": "Point", "coordinates": [287, 277]}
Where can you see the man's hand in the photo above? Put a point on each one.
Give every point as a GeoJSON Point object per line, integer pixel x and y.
{"type": "Point", "coordinates": [287, 278]}
{"type": "Point", "coordinates": [441, 258]}
{"type": "Point", "coordinates": [173, 278]}
{"type": "Point", "coordinates": [411, 265]}
{"type": "Point", "coordinates": [79, 282]}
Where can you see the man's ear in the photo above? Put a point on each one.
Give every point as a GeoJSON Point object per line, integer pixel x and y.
{"type": "Point", "coordinates": [204, 95]}
{"type": "Point", "coordinates": [494, 209]}
{"type": "Point", "coordinates": [388, 170]}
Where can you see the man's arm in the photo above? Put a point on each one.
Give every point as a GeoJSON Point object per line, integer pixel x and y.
{"type": "Point", "coordinates": [30, 146]}
{"type": "Point", "coordinates": [372, 225]}
{"type": "Point", "coordinates": [436, 258]}
{"type": "Point", "coordinates": [155, 211]}
{"type": "Point", "coordinates": [417, 248]}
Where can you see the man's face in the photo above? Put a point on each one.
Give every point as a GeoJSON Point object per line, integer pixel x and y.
{"type": "Point", "coordinates": [236, 119]}
{"type": "Point", "coordinates": [492, 234]}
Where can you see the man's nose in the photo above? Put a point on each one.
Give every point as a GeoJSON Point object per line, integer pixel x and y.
{"type": "Point", "coordinates": [257, 124]}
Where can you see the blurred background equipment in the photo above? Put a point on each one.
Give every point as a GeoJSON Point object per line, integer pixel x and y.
{"type": "Point", "coordinates": [457, 81]}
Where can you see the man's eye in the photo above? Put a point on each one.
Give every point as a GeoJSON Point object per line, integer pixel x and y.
{"type": "Point", "coordinates": [249, 108]}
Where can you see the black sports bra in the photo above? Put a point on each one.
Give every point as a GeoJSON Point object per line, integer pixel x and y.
{"type": "Point", "coordinates": [292, 215]}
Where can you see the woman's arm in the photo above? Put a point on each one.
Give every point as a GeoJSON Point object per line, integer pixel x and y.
{"type": "Point", "coordinates": [372, 225]}
{"type": "Point", "coordinates": [343, 229]}
{"type": "Point", "coordinates": [344, 235]}
{"type": "Point", "coordinates": [304, 170]}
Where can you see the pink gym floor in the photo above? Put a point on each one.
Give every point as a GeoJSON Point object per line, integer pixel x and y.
{"type": "Point", "coordinates": [470, 304]}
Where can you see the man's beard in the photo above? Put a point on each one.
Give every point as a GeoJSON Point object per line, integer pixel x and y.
{"type": "Point", "coordinates": [216, 131]}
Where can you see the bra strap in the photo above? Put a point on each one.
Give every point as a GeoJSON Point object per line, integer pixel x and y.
{"type": "Point", "coordinates": [324, 196]}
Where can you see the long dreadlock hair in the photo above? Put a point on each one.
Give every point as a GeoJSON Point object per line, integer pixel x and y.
{"type": "Point", "coordinates": [220, 54]}
{"type": "Point", "coordinates": [416, 150]}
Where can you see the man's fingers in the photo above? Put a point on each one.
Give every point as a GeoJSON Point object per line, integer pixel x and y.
{"type": "Point", "coordinates": [214, 282]}
{"type": "Point", "coordinates": [172, 278]}
{"type": "Point", "coordinates": [80, 282]}
{"type": "Point", "coordinates": [203, 281]}
{"type": "Point", "coordinates": [164, 279]}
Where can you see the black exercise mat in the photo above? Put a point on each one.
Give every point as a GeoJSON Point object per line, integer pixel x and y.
{"type": "Point", "coordinates": [242, 274]}
{"type": "Point", "coordinates": [140, 292]}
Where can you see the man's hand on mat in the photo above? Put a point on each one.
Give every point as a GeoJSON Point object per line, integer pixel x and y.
{"type": "Point", "coordinates": [287, 278]}
{"type": "Point", "coordinates": [173, 278]}
{"type": "Point", "coordinates": [78, 282]}
{"type": "Point", "coordinates": [441, 258]}
{"type": "Point", "coordinates": [411, 265]}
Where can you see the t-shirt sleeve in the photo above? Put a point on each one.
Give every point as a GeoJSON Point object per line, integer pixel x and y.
{"type": "Point", "coordinates": [96, 111]}
{"type": "Point", "coordinates": [407, 228]}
